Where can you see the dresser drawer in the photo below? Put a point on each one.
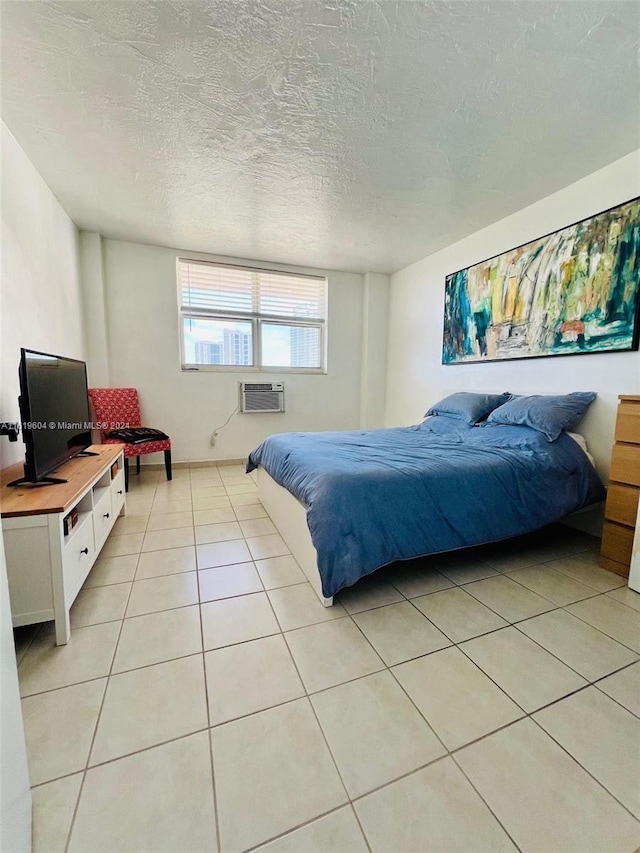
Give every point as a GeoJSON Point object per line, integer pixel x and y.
{"type": "Point", "coordinates": [622, 504]}
{"type": "Point", "coordinates": [628, 422]}
{"type": "Point", "coordinates": [117, 492]}
{"type": "Point", "coordinates": [77, 558]}
{"type": "Point", "coordinates": [617, 542]}
{"type": "Point", "coordinates": [102, 517]}
{"type": "Point", "coordinates": [625, 464]}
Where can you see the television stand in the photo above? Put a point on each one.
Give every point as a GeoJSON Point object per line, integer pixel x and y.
{"type": "Point", "coordinates": [45, 481]}
{"type": "Point", "coordinates": [52, 537]}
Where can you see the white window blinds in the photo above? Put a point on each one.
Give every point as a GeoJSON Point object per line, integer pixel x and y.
{"type": "Point", "coordinates": [234, 316]}
{"type": "Point", "coordinates": [213, 289]}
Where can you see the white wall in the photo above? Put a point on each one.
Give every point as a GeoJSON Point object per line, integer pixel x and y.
{"type": "Point", "coordinates": [375, 313]}
{"type": "Point", "coordinates": [15, 816]}
{"type": "Point", "coordinates": [40, 308]}
{"type": "Point", "coordinates": [415, 375]}
{"type": "Point", "coordinates": [143, 344]}
{"type": "Point", "coordinates": [40, 295]}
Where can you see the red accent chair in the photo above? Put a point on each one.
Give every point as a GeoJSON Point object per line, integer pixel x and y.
{"type": "Point", "coordinates": [119, 407]}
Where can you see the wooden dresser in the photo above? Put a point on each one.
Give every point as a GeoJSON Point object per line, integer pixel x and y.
{"type": "Point", "coordinates": [624, 489]}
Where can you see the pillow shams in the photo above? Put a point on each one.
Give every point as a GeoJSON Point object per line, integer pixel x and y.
{"type": "Point", "coordinates": [550, 415]}
{"type": "Point", "coordinates": [468, 406]}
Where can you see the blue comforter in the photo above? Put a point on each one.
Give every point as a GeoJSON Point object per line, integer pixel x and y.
{"type": "Point", "coordinates": [377, 496]}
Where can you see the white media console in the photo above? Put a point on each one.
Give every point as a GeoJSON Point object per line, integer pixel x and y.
{"type": "Point", "coordinates": [48, 560]}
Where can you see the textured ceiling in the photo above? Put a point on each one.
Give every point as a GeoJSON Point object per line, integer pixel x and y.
{"type": "Point", "coordinates": [348, 134]}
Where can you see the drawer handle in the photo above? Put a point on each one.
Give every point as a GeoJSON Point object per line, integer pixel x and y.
{"type": "Point", "coordinates": [106, 515]}
{"type": "Point", "coordinates": [84, 551]}
{"type": "Point", "coordinates": [119, 491]}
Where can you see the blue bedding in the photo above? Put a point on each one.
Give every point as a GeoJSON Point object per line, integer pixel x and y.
{"type": "Point", "coordinates": [377, 496]}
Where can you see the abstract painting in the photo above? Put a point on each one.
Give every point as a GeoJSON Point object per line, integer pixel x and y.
{"type": "Point", "coordinates": [572, 292]}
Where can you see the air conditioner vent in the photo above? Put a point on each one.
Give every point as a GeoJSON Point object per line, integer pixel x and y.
{"type": "Point", "coordinates": [261, 397]}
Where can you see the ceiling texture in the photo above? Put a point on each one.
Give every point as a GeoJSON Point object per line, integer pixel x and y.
{"type": "Point", "coordinates": [342, 134]}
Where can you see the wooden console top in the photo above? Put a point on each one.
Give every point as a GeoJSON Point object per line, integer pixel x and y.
{"type": "Point", "coordinates": [18, 501]}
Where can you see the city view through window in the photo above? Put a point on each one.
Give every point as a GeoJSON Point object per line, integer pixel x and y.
{"type": "Point", "coordinates": [220, 342]}
{"type": "Point", "coordinates": [279, 317]}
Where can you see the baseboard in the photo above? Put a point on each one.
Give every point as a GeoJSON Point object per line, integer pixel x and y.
{"type": "Point", "coordinates": [205, 463]}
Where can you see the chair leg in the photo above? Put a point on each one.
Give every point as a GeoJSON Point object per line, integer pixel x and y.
{"type": "Point", "coordinates": [167, 463]}
{"type": "Point", "coordinates": [138, 464]}
{"type": "Point", "coordinates": [126, 473]}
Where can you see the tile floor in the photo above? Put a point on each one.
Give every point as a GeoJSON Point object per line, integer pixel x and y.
{"type": "Point", "coordinates": [484, 701]}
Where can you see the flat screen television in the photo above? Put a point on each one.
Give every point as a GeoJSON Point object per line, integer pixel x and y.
{"type": "Point", "coordinates": [54, 408]}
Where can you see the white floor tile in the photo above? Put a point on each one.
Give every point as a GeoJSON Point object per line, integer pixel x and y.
{"type": "Point", "coordinates": [149, 786]}
{"type": "Point", "coordinates": [88, 654]}
{"type": "Point", "coordinates": [158, 637]}
{"type": "Point", "coordinates": [626, 596]}
{"type": "Point", "coordinates": [280, 571]}
{"type": "Point", "coordinates": [222, 554]}
{"type": "Point", "coordinates": [338, 832]}
{"type": "Point", "coordinates": [603, 737]}
{"type": "Point", "coordinates": [112, 570]}
{"type": "Point", "coordinates": [554, 586]}
{"type": "Point", "coordinates": [527, 673]}
{"type": "Point", "coordinates": [464, 567]}
{"type": "Point", "coordinates": [613, 618]}
{"type": "Point", "coordinates": [435, 809]}
{"type": "Point", "coordinates": [53, 808]}
{"type": "Point", "coordinates": [456, 698]}
{"type": "Point", "coordinates": [258, 527]}
{"type": "Point", "coordinates": [160, 540]}
{"type": "Point", "coordinates": [213, 516]}
{"type": "Point", "coordinates": [236, 620]}
{"type": "Point", "coordinates": [369, 592]}
{"type": "Point", "coordinates": [583, 648]}
{"type": "Point", "coordinates": [250, 677]}
{"type": "Point", "coordinates": [153, 594]}
{"type": "Point", "coordinates": [624, 687]}
{"type": "Point", "coordinates": [157, 800]}
{"type": "Point", "coordinates": [170, 520]}
{"type": "Point", "coordinates": [584, 568]}
{"type": "Point", "coordinates": [147, 706]}
{"type": "Point", "coordinates": [542, 797]}
{"type": "Point", "coordinates": [399, 632]}
{"type": "Point", "coordinates": [331, 653]}
{"type": "Point", "coordinates": [249, 511]}
{"type": "Point", "coordinates": [220, 532]}
{"type": "Point", "coordinates": [228, 581]}
{"type": "Point", "coordinates": [508, 598]}
{"type": "Point", "coordinates": [169, 562]}
{"type": "Point", "coordinates": [118, 546]}
{"type": "Point", "coordinates": [458, 615]}
{"type": "Point", "coordinates": [286, 778]}
{"type": "Point", "coordinates": [297, 606]}
{"type": "Point", "coordinates": [374, 731]}
{"type": "Point", "coordinates": [263, 547]}
{"type": "Point", "coordinates": [59, 727]}
{"type": "Point", "coordinates": [99, 604]}
{"type": "Point", "coordinates": [417, 579]}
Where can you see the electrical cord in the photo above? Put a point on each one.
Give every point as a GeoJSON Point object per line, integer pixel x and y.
{"type": "Point", "coordinates": [214, 434]}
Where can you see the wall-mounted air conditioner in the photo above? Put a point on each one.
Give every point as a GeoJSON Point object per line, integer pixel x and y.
{"type": "Point", "coordinates": [261, 397]}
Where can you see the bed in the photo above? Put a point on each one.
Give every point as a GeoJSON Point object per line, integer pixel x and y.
{"type": "Point", "coordinates": [348, 503]}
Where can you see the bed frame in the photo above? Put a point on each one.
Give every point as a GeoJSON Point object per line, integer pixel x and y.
{"type": "Point", "coordinates": [290, 517]}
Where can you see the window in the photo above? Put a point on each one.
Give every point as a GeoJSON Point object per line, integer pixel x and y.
{"type": "Point", "coordinates": [249, 318]}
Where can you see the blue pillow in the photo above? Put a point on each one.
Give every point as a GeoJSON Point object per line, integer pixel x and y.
{"type": "Point", "coordinates": [468, 406]}
{"type": "Point", "coordinates": [549, 415]}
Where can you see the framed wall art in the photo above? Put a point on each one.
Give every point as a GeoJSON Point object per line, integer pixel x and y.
{"type": "Point", "coordinates": [572, 292]}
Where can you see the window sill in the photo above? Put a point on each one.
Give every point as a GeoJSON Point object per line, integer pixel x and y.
{"type": "Point", "coordinates": [213, 368]}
